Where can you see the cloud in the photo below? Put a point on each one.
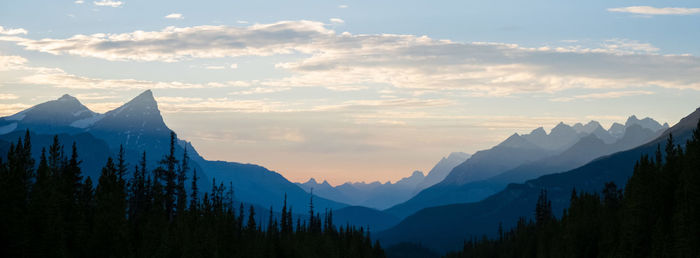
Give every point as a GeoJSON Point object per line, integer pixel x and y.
{"type": "Point", "coordinates": [336, 20]}
{"type": "Point", "coordinates": [9, 63]}
{"type": "Point", "coordinates": [214, 67]}
{"type": "Point", "coordinates": [648, 10]}
{"type": "Point", "coordinates": [345, 61]}
{"type": "Point", "coordinates": [174, 44]}
{"type": "Point", "coordinates": [8, 96]}
{"type": "Point", "coordinates": [9, 31]}
{"type": "Point", "coordinates": [79, 2]}
{"type": "Point", "coordinates": [215, 105]}
{"type": "Point", "coordinates": [174, 16]}
{"type": "Point", "coordinates": [61, 79]}
{"type": "Point", "coordinates": [9, 109]}
{"type": "Point", "coordinates": [108, 3]}
{"type": "Point", "coordinates": [604, 95]}
{"type": "Point", "coordinates": [343, 6]}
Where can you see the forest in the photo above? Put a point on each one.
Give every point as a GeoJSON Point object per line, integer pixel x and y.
{"type": "Point", "coordinates": [49, 210]}
{"type": "Point", "coordinates": [656, 215]}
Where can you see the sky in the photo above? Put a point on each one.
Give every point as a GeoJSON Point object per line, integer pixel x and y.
{"type": "Point", "coordinates": [356, 90]}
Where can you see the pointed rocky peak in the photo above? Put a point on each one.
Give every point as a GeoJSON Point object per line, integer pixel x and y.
{"type": "Point", "coordinates": [561, 127]}
{"type": "Point", "coordinates": [326, 184]}
{"type": "Point", "coordinates": [590, 127]}
{"type": "Point", "coordinates": [418, 174]}
{"type": "Point", "coordinates": [311, 181]}
{"type": "Point", "coordinates": [67, 98]}
{"type": "Point", "coordinates": [617, 130]}
{"type": "Point", "coordinates": [144, 102]}
{"type": "Point", "coordinates": [538, 132]}
{"type": "Point", "coordinates": [140, 114]}
{"type": "Point", "coordinates": [647, 123]}
{"type": "Point", "coordinates": [665, 125]}
{"type": "Point", "coordinates": [631, 120]}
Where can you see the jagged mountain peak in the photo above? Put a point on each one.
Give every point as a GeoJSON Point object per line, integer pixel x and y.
{"type": "Point", "coordinates": [560, 127]}
{"type": "Point", "coordinates": [66, 98]}
{"type": "Point", "coordinates": [646, 122]}
{"type": "Point", "coordinates": [590, 127]}
{"type": "Point", "coordinates": [417, 173]}
{"type": "Point", "coordinates": [539, 131]}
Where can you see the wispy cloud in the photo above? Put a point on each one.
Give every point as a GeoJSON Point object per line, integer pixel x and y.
{"type": "Point", "coordinates": [174, 16]}
{"type": "Point", "coordinates": [604, 95]}
{"type": "Point", "coordinates": [416, 63]}
{"type": "Point", "coordinates": [8, 96]}
{"type": "Point", "coordinates": [108, 3]}
{"type": "Point", "coordinates": [79, 2]}
{"type": "Point", "coordinates": [336, 20]}
{"type": "Point", "coordinates": [8, 31]}
{"type": "Point", "coordinates": [343, 6]}
{"type": "Point", "coordinates": [649, 10]}
{"type": "Point", "coordinates": [9, 109]}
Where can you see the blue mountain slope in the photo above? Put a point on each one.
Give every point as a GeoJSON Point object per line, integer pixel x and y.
{"type": "Point", "coordinates": [446, 227]}
{"type": "Point", "coordinates": [362, 216]}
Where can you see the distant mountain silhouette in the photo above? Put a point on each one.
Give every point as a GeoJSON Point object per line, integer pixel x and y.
{"type": "Point", "coordinates": [445, 227]}
{"type": "Point", "coordinates": [139, 126]}
{"type": "Point", "coordinates": [518, 159]}
{"type": "Point", "coordinates": [379, 195]}
{"type": "Point", "coordinates": [442, 169]}
{"type": "Point", "coordinates": [374, 195]}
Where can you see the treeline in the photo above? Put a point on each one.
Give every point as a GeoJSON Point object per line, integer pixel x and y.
{"type": "Point", "coordinates": [657, 215]}
{"type": "Point", "coordinates": [49, 210]}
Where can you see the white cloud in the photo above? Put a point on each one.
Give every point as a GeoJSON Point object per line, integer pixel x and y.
{"type": "Point", "coordinates": [604, 95]}
{"type": "Point", "coordinates": [9, 31]}
{"type": "Point", "coordinates": [8, 63]}
{"type": "Point", "coordinates": [343, 6]}
{"type": "Point", "coordinates": [174, 16]}
{"type": "Point", "coordinates": [79, 2]}
{"type": "Point", "coordinates": [415, 63]}
{"type": "Point", "coordinates": [8, 96]}
{"type": "Point", "coordinates": [214, 67]}
{"type": "Point", "coordinates": [108, 3]}
{"type": "Point", "coordinates": [242, 22]}
{"type": "Point", "coordinates": [337, 20]}
{"type": "Point", "coordinates": [648, 10]}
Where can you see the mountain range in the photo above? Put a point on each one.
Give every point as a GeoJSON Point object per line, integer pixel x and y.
{"type": "Point", "coordinates": [445, 227]}
{"type": "Point", "coordinates": [384, 195]}
{"type": "Point", "coordinates": [529, 156]}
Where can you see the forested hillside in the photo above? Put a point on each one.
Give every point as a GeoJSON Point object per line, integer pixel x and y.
{"type": "Point", "coordinates": [47, 209]}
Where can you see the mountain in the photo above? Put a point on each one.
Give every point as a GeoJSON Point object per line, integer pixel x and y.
{"type": "Point", "coordinates": [445, 227]}
{"type": "Point", "coordinates": [48, 117]}
{"type": "Point", "coordinates": [138, 126]}
{"type": "Point", "coordinates": [374, 195]}
{"type": "Point", "coordinates": [583, 151]}
{"type": "Point", "coordinates": [362, 216]}
{"type": "Point", "coordinates": [442, 168]}
{"type": "Point", "coordinates": [487, 163]}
